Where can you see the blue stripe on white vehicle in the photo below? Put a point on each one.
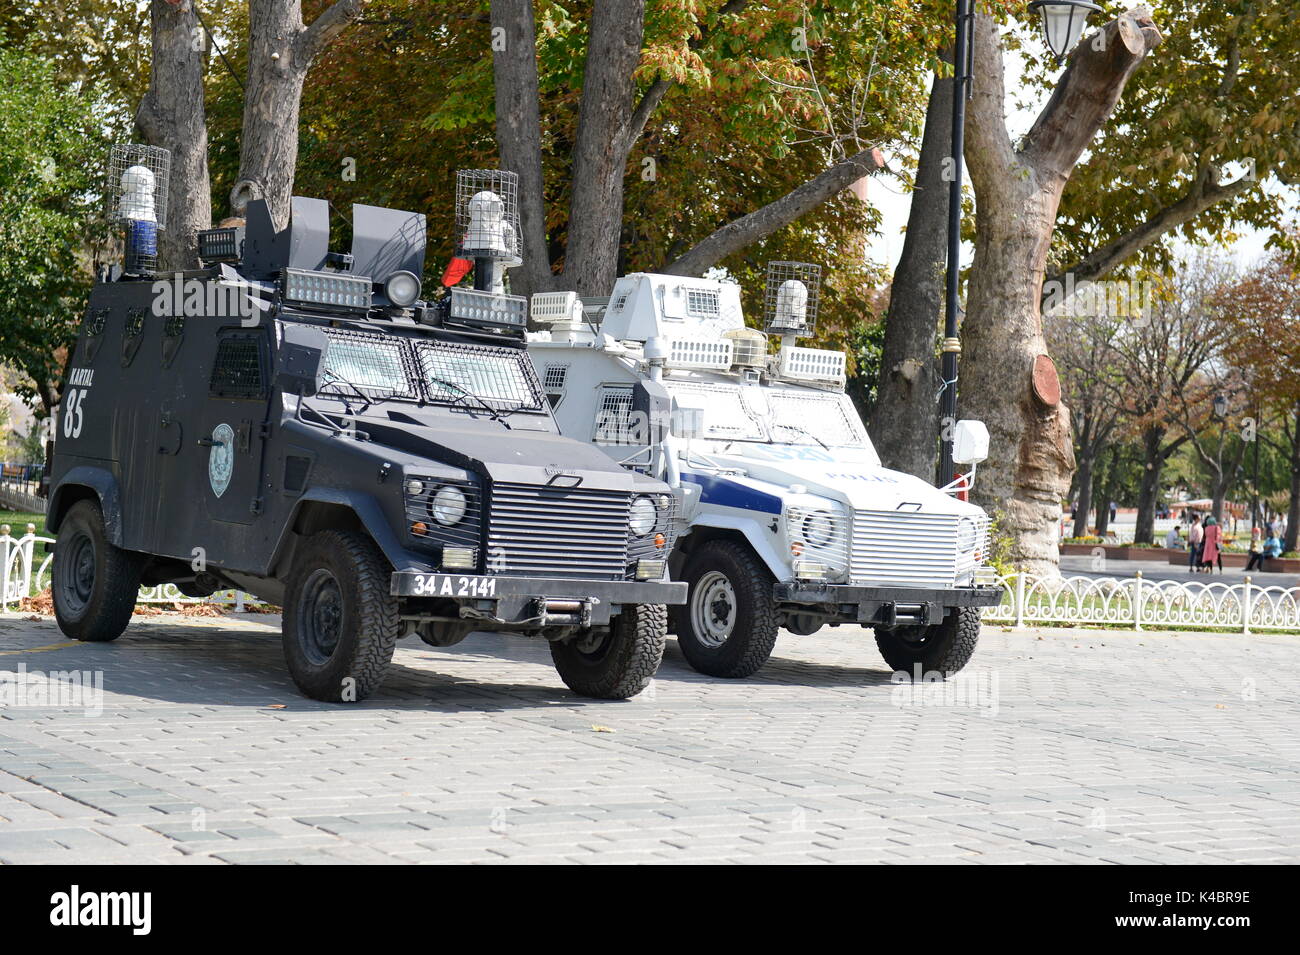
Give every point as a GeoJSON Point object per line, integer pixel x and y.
{"type": "Point", "coordinates": [725, 492]}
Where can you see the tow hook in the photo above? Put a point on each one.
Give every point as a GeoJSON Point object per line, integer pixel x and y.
{"type": "Point", "coordinates": [545, 612]}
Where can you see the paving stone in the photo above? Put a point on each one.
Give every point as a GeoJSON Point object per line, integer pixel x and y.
{"type": "Point", "coordinates": [1103, 748]}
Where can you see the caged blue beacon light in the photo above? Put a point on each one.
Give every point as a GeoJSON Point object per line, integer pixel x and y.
{"type": "Point", "coordinates": [136, 198]}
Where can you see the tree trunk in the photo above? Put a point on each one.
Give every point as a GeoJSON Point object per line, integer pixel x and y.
{"type": "Point", "coordinates": [1008, 379]}
{"type": "Point", "coordinates": [1085, 496]}
{"type": "Point", "coordinates": [514, 68]}
{"type": "Point", "coordinates": [1102, 494]}
{"type": "Point", "coordinates": [1293, 508]}
{"type": "Point", "coordinates": [604, 140]}
{"type": "Point", "coordinates": [1153, 463]}
{"type": "Point", "coordinates": [280, 52]}
{"type": "Point", "coordinates": [171, 115]}
{"type": "Point", "coordinates": [905, 420]}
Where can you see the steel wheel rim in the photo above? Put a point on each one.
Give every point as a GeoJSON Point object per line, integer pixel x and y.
{"type": "Point", "coordinates": [320, 617]}
{"type": "Point", "coordinates": [75, 568]}
{"type": "Point", "coordinates": [713, 609]}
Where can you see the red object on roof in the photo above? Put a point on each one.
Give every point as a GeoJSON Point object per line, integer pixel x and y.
{"type": "Point", "coordinates": [456, 270]}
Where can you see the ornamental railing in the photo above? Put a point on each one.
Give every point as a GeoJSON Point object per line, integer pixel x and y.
{"type": "Point", "coordinates": [1142, 604]}
{"type": "Point", "coordinates": [25, 572]}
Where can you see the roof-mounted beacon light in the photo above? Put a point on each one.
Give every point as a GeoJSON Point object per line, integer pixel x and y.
{"type": "Point", "coordinates": [487, 224]}
{"type": "Point", "coordinates": [135, 196]}
{"type": "Point", "coordinates": [790, 299]}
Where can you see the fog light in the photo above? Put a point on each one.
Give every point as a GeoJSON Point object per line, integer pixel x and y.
{"type": "Point", "coordinates": [649, 569]}
{"type": "Point", "coordinates": [808, 569]}
{"type": "Point", "coordinates": [461, 558]}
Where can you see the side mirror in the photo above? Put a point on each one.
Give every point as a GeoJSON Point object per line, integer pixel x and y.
{"type": "Point", "coordinates": [970, 442]}
{"type": "Point", "coordinates": [300, 361]}
{"type": "Point", "coordinates": [688, 420]}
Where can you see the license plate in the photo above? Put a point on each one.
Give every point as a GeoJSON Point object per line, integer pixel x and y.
{"type": "Point", "coordinates": [451, 585]}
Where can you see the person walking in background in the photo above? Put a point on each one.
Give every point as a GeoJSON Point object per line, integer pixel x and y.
{"type": "Point", "coordinates": [1173, 540]}
{"type": "Point", "coordinates": [1211, 536]}
{"type": "Point", "coordinates": [1195, 534]}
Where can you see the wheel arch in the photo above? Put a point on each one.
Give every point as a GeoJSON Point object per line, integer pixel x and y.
{"type": "Point", "coordinates": [745, 532]}
{"type": "Point", "coordinates": [86, 482]}
{"type": "Point", "coordinates": [321, 509]}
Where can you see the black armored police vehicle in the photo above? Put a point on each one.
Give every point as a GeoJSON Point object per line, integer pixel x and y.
{"type": "Point", "coordinates": [301, 424]}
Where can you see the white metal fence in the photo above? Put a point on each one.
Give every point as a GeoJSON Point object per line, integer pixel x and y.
{"type": "Point", "coordinates": [25, 572]}
{"type": "Point", "coordinates": [1027, 599]}
{"type": "Point", "coordinates": [1142, 604]}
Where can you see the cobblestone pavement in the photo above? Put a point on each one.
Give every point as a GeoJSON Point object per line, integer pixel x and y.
{"type": "Point", "coordinates": [1083, 747]}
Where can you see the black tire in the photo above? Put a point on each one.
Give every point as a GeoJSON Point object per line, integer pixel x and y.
{"type": "Point", "coordinates": [94, 584]}
{"type": "Point", "coordinates": [617, 662]}
{"type": "Point", "coordinates": [943, 648]}
{"type": "Point", "coordinates": [340, 622]}
{"type": "Point", "coordinates": [739, 586]}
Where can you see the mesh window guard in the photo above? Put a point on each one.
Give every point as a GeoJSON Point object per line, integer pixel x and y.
{"type": "Point", "coordinates": [375, 365]}
{"type": "Point", "coordinates": [239, 369]}
{"type": "Point", "coordinates": [502, 379]}
{"type": "Point", "coordinates": [795, 416]}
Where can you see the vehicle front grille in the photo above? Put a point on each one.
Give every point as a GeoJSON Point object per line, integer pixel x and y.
{"type": "Point", "coordinates": [906, 548]}
{"type": "Point", "coordinates": [558, 532]}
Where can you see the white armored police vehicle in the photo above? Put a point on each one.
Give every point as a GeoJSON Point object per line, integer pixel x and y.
{"type": "Point", "coordinates": [789, 518]}
{"type": "Point", "coordinates": [302, 424]}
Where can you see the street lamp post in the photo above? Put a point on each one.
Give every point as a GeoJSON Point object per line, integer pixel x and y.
{"type": "Point", "coordinates": [1063, 22]}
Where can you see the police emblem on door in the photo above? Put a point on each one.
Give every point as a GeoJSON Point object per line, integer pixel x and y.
{"type": "Point", "coordinates": [221, 459]}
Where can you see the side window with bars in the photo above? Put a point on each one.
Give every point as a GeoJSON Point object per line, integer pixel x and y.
{"type": "Point", "coordinates": [240, 369]}
{"type": "Point", "coordinates": [613, 415]}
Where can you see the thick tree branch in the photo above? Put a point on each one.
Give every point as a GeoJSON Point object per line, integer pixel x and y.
{"type": "Point", "coordinates": [1087, 93]}
{"type": "Point", "coordinates": [1203, 194]}
{"type": "Point", "coordinates": [748, 229]}
{"type": "Point", "coordinates": [326, 27]}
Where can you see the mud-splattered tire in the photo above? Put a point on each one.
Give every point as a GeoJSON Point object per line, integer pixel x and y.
{"type": "Point", "coordinates": [94, 584]}
{"type": "Point", "coordinates": [617, 663]}
{"type": "Point", "coordinates": [728, 625]}
{"type": "Point", "coordinates": [942, 648]}
{"type": "Point", "coordinates": [340, 622]}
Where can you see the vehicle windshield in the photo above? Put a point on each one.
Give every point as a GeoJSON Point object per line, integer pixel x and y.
{"type": "Point", "coordinates": [774, 415]}
{"type": "Point", "coordinates": [381, 367]}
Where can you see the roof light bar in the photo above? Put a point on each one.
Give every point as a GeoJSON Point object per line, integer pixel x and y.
{"type": "Point", "coordinates": [328, 289]}
{"type": "Point", "coordinates": [812, 364]}
{"type": "Point", "coordinates": [472, 307]}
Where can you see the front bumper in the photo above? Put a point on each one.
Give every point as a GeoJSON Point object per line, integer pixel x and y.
{"type": "Point", "coordinates": [535, 601]}
{"type": "Point", "coordinates": [882, 606]}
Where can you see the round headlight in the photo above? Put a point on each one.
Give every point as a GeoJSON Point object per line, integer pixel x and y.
{"type": "Point", "coordinates": [819, 528]}
{"type": "Point", "coordinates": [642, 517]}
{"type": "Point", "coordinates": [414, 487]}
{"type": "Point", "coordinates": [402, 289]}
{"type": "Point", "coordinates": [448, 505]}
{"type": "Point", "coordinates": [967, 536]}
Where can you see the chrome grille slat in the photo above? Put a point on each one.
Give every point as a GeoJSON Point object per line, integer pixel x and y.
{"type": "Point", "coordinates": [904, 547]}
{"type": "Point", "coordinates": [545, 531]}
